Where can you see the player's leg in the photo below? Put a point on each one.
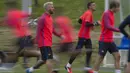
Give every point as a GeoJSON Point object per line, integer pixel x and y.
{"type": "Point", "coordinates": [75, 53]}
{"type": "Point", "coordinates": [3, 57]}
{"type": "Point", "coordinates": [127, 70]}
{"type": "Point", "coordinates": [56, 61]}
{"type": "Point", "coordinates": [25, 62]}
{"type": "Point", "coordinates": [101, 53]}
{"type": "Point", "coordinates": [67, 47]}
{"type": "Point", "coordinates": [44, 56]}
{"type": "Point", "coordinates": [21, 43]}
{"type": "Point", "coordinates": [88, 46]}
{"type": "Point", "coordinates": [24, 43]}
{"type": "Point", "coordinates": [49, 60]}
{"type": "Point", "coordinates": [61, 48]}
{"type": "Point", "coordinates": [113, 49]}
{"type": "Point", "coordinates": [64, 47]}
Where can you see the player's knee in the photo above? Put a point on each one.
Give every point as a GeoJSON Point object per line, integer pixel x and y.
{"type": "Point", "coordinates": [117, 57]}
{"type": "Point", "coordinates": [42, 61]}
{"type": "Point", "coordinates": [101, 57]}
{"type": "Point", "coordinates": [77, 53]}
{"type": "Point", "coordinates": [89, 51]}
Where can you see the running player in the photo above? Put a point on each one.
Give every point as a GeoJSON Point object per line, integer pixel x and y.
{"type": "Point", "coordinates": [122, 29]}
{"type": "Point", "coordinates": [15, 19]}
{"type": "Point", "coordinates": [106, 42]}
{"type": "Point", "coordinates": [44, 38]}
{"type": "Point", "coordinates": [67, 31]}
{"type": "Point", "coordinates": [86, 21]}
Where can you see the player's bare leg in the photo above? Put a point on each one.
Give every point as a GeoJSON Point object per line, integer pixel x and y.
{"type": "Point", "coordinates": [127, 70]}
{"type": "Point", "coordinates": [72, 58]}
{"type": "Point", "coordinates": [49, 65]}
{"type": "Point", "coordinates": [97, 64]}
{"type": "Point", "coordinates": [117, 62]}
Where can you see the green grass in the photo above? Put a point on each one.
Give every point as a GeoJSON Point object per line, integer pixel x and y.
{"type": "Point", "coordinates": [71, 8]}
{"type": "Point", "coordinates": [6, 43]}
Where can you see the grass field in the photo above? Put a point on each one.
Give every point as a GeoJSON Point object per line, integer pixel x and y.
{"type": "Point", "coordinates": [7, 42]}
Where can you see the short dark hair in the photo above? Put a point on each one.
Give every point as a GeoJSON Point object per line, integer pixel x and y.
{"type": "Point", "coordinates": [114, 4]}
{"type": "Point", "coordinates": [89, 4]}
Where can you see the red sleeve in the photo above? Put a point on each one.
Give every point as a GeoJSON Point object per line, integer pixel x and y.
{"type": "Point", "coordinates": [107, 23]}
{"type": "Point", "coordinates": [24, 14]}
{"type": "Point", "coordinates": [55, 33]}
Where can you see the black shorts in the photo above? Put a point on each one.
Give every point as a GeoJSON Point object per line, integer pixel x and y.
{"type": "Point", "coordinates": [129, 55]}
{"type": "Point", "coordinates": [3, 55]}
{"type": "Point", "coordinates": [84, 42]}
{"type": "Point", "coordinates": [105, 46]}
{"type": "Point", "coordinates": [66, 47]}
{"type": "Point", "coordinates": [25, 41]}
{"type": "Point", "coordinates": [46, 53]}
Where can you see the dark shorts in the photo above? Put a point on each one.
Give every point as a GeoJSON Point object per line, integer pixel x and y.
{"type": "Point", "coordinates": [66, 47]}
{"type": "Point", "coordinates": [129, 55]}
{"type": "Point", "coordinates": [104, 47]}
{"type": "Point", "coordinates": [25, 41]}
{"type": "Point", "coordinates": [3, 55]}
{"type": "Point", "coordinates": [46, 53]}
{"type": "Point", "coordinates": [84, 42]}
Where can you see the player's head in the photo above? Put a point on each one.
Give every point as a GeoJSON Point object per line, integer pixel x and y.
{"type": "Point", "coordinates": [114, 6]}
{"type": "Point", "coordinates": [49, 7]}
{"type": "Point", "coordinates": [91, 5]}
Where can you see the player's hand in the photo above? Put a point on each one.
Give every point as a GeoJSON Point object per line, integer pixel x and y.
{"type": "Point", "coordinates": [34, 41]}
{"type": "Point", "coordinates": [129, 36]}
{"type": "Point", "coordinates": [97, 23]}
{"type": "Point", "coordinates": [92, 28]}
{"type": "Point", "coordinates": [62, 37]}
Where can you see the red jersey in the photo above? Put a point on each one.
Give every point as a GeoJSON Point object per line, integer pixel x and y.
{"type": "Point", "coordinates": [44, 30]}
{"type": "Point", "coordinates": [66, 29]}
{"type": "Point", "coordinates": [15, 19]}
{"type": "Point", "coordinates": [107, 27]}
{"type": "Point", "coordinates": [84, 31]}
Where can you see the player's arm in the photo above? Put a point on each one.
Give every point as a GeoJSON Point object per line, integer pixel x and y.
{"type": "Point", "coordinates": [124, 24]}
{"type": "Point", "coordinates": [56, 33]}
{"type": "Point", "coordinates": [107, 23]}
{"type": "Point", "coordinates": [87, 20]}
{"type": "Point", "coordinates": [80, 21]}
{"type": "Point", "coordinates": [25, 14]}
{"type": "Point", "coordinates": [3, 21]}
{"type": "Point", "coordinates": [41, 23]}
{"type": "Point", "coordinates": [60, 35]}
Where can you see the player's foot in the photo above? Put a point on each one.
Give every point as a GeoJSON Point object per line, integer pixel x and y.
{"type": "Point", "coordinates": [55, 71]}
{"type": "Point", "coordinates": [69, 70]}
{"type": "Point", "coordinates": [90, 71]}
{"type": "Point", "coordinates": [28, 71]}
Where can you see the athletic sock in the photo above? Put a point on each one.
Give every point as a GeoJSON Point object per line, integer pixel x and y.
{"type": "Point", "coordinates": [68, 65]}
{"type": "Point", "coordinates": [117, 71]}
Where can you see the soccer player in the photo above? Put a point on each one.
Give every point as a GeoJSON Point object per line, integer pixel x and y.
{"type": "Point", "coordinates": [63, 23]}
{"type": "Point", "coordinates": [106, 42]}
{"type": "Point", "coordinates": [15, 19]}
{"type": "Point", "coordinates": [122, 30]}
{"type": "Point", "coordinates": [44, 38]}
{"type": "Point", "coordinates": [66, 45]}
{"type": "Point", "coordinates": [86, 21]}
